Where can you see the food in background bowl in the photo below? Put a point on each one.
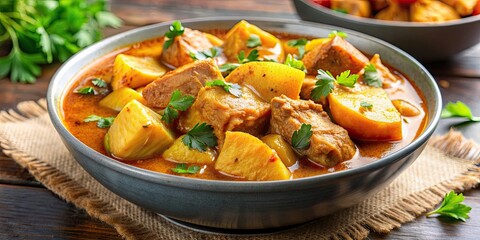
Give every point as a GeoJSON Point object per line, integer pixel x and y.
{"type": "Point", "coordinates": [235, 108]}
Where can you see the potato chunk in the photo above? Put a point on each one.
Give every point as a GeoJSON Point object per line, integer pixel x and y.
{"type": "Point", "coordinates": [245, 156]}
{"type": "Point", "coordinates": [269, 79]}
{"type": "Point", "coordinates": [179, 152]}
{"type": "Point", "coordinates": [282, 148]}
{"type": "Point", "coordinates": [116, 100]}
{"type": "Point", "coordinates": [138, 133]}
{"type": "Point", "coordinates": [133, 72]}
{"type": "Point", "coordinates": [379, 122]}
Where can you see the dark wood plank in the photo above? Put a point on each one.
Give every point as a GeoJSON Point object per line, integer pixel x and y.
{"type": "Point", "coordinates": [35, 213]}
{"type": "Point", "coordinates": [12, 173]}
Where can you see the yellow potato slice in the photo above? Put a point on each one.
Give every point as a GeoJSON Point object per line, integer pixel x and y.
{"type": "Point", "coordinates": [214, 40]}
{"type": "Point", "coordinates": [179, 152]}
{"type": "Point", "coordinates": [133, 72]}
{"type": "Point", "coordinates": [282, 148]}
{"type": "Point", "coordinates": [116, 100]}
{"type": "Point", "coordinates": [246, 156]}
{"type": "Point", "coordinates": [315, 42]}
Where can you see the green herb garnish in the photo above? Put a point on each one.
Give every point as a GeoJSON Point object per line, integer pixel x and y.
{"type": "Point", "coordinates": [45, 31]}
{"type": "Point", "coordinates": [335, 33]}
{"type": "Point", "coordinates": [452, 207]}
{"type": "Point", "coordinates": [458, 109]}
{"type": "Point", "coordinates": [231, 88]}
{"type": "Point", "coordinates": [292, 62]}
{"type": "Point", "coordinates": [325, 83]}
{"type": "Point", "coordinates": [99, 82]}
{"type": "Point", "coordinates": [301, 137]}
{"type": "Point", "coordinates": [176, 29]}
{"type": "Point", "coordinates": [347, 80]}
{"type": "Point", "coordinates": [178, 102]}
{"type": "Point", "coordinates": [102, 122]}
{"type": "Point", "coordinates": [252, 56]}
{"type": "Point", "coordinates": [371, 76]}
{"type": "Point", "coordinates": [210, 53]}
{"type": "Point", "coordinates": [85, 91]}
{"type": "Point", "coordinates": [366, 105]}
{"type": "Point", "coordinates": [200, 137]}
{"type": "Point", "coordinates": [300, 45]}
{"type": "Point", "coordinates": [228, 67]}
{"type": "Point", "coordinates": [182, 169]}
{"type": "Point", "coordinates": [254, 41]}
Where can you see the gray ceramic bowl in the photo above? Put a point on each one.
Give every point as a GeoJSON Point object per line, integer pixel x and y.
{"type": "Point", "coordinates": [243, 205]}
{"type": "Point", "coordinates": [425, 41]}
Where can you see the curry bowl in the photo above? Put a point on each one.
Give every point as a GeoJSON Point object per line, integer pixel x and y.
{"type": "Point", "coordinates": [244, 204]}
{"type": "Point", "coordinates": [424, 41]}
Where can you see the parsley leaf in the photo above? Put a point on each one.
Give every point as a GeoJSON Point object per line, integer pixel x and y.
{"type": "Point", "coordinates": [335, 33]}
{"type": "Point", "coordinates": [371, 76]}
{"type": "Point", "coordinates": [200, 137]}
{"type": "Point", "coordinates": [178, 102]}
{"type": "Point", "coordinates": [254, 41]}
{"type": "Point", "coordinates": [85, 91]}
{"type": "Point", "coordinates": [301, 137]}
{"type": "Point", "coordinates": [231, 88]}
{"type": "Point", "coordinates": [176, 29]}
{"type": "Point", "coordinates": [292, 62]}
{"type": "Point", "coordinates": [210, 53]}
{"type": "Point", "coordinates": [458, 109]}
{"type": "Point", "coordinates": [99, 82]}
{"type": "Point", "coordinates": [102, 122]}
{"type": "Point", "coordinates": [252, 56]}
{"type": "Point", "coordinates": [323, 86]}
{"type": "Point", "coordinates": [228, 67]}
{"type": "Point", "coordinates": [182, 169]}
{"type": "Point", "coordinates": [347, 80]}
{"type": "Point", "coordinates": [300, 45]}
{"type": "Point", "coordinates": [452, 207]}
{"type": "Point", "coordinates": [365, 104]}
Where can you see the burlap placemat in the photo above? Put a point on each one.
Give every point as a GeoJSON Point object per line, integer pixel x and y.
{"type": "Point", "coordinates": [29, 137]}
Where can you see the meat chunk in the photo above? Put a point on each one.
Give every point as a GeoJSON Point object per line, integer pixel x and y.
{"type": "Point", "coordinates": [225, 112]}
{"type": "Point", "coordinates": [335, 56]}
{"type": "Point", "coordinates": [389, 79]}
{"type": "Point", "coordinates": [329, 144]}
{"type": "Point", "coordinates": [307, 86]}
{"type": "Point", "coordinates": [360, 8]}
{"type": "Point", "coordinates": [432, 11]}
{"type": "Point", "coordinates": [192, 41]}
{"type": "Point", "coordinates": [187, 79]}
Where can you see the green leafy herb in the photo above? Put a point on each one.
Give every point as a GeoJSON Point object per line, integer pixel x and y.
{"type": "Point", "coordinates": [458, 109]}
{"type": "Point", "coordinates": [347, 80]}
{"type": "Point", "coordinates": [178, 102]}
{"type": "Point", "coordinates": [231, 88]}
{"type": "Point", "coordinates": [228, 67]}
{"type": "Point", "coordinates": [372, 77]}
{"type": "Point", "coordinates": [292, 62]}
{"type": "Point", "coordinates": [102, 122]}
{"type": "Point", "coordinates": [200, 137]}
{"type": "Point", "coordinates": [452, 207]}
{"type": "Point", "coordinates": [340, 10]}
{"type": "Point", "coordinates": [85, 91]}
{"type": "Point", "coordinates": [323, 86]}
{"type": "Point", "coordinates": [300, 45]}
{"type": "Point", "coordinates": [182, 169]}
{"type": "Point", "coordinates": [301, 137]}
{"type": "Point", "coordinates": [252, 56]}
{"type": "Point", "coordinates": [335, 33]}
{"type": "Point", "coordinates": [210, 53]}
{"type": "Point", "coordinates": [45, 31]}
{"type": "Point", "coordinates": [254, 41]}
{"type": "Point", "coordinates": [366, 104]}
{"type": "Point", "coordinates": [176, 29]}
{"type": "Point", "coordinates": [99, 82]}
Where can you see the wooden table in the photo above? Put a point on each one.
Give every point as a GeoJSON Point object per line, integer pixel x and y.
{"type": "Point", "coordinates": [29, 211]}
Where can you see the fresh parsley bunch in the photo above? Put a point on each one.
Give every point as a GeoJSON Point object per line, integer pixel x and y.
{"type": "Point", "coordinates": [40, 32]}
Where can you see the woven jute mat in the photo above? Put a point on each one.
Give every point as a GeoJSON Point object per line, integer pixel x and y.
{"type": "Point", "coordinates": [447, 163]}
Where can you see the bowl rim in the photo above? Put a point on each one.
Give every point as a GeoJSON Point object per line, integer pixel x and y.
{"type": "Point", "coordinates": [377, 22]}
{"type": "Point", "coordinates": [223, 185]}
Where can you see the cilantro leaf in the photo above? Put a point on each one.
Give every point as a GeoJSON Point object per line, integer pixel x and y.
{"type": "Point", "coordinates": [365, 104]}
{"type": "Point", "coordinates": [301, 137]}
{"type": "Point", "coordinates": [210, 53]}
{"type": "Point", "coordinates": [178, 102]}
{"type": "Point", "coordinates": [231, 88]}
{"type": "Point", "coordinates": [458, 109]}
{"type": "Point", "coordinates": [300, 45]}
{"type": "Point", "coordinates": [335, 33]}
{"type": "Point", "coordinates": [292, 62]}
{"type": "Point", "coordinates": [254, 41]}
{"type": "Point", "coordinates": [347, 80]}
{"type": "Point", "coordinates": [99, 82]}
{"type": "Point", "coordinates": [176, 29]}
{"type": "Point", "coordinates": [182, 169]}
{"type": "Point", "coordinates": [228, 67]}
{"type": "Point", "coordinates": [323, 86]}
{"type": "Point", "coordinates": [371, 76]}
{"type": "Point", "coordinates": [200, 137]}
{"type": "Point", "coordinates": [452, 207]}
{"type": "Point", "coordinates": [85, 91]}
{"type": "Point", "coordinates": [252, 56]}
{"type": "Point", "coordinates": [106, 19]}
{"type": "Point", "coordinates": [102, 122]}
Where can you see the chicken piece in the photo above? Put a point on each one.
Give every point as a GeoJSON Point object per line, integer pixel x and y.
{"type": "Point", "coordinates": [335, 56]}
{"type": "Point", "coordinates": [463, 7]}
{"type": "Point", "coordinates": [329, 144]}
{"type": "Point", "coordinates": [432, 11]}
{"type": "Point", "coordinates": [188, 79]}
{"type": "Point", "coordinates": [389, 79]}
{"type": "Point", "coordinates": [360, 8]}
{"type": "Point", "coordinates": [394, 12]}
{"type": "Point", "coordinates": [225, 112]}
{"type": "Point", "coordinates": [192, 41]}
{"type": "Point", "coordinates": [307, 86]}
